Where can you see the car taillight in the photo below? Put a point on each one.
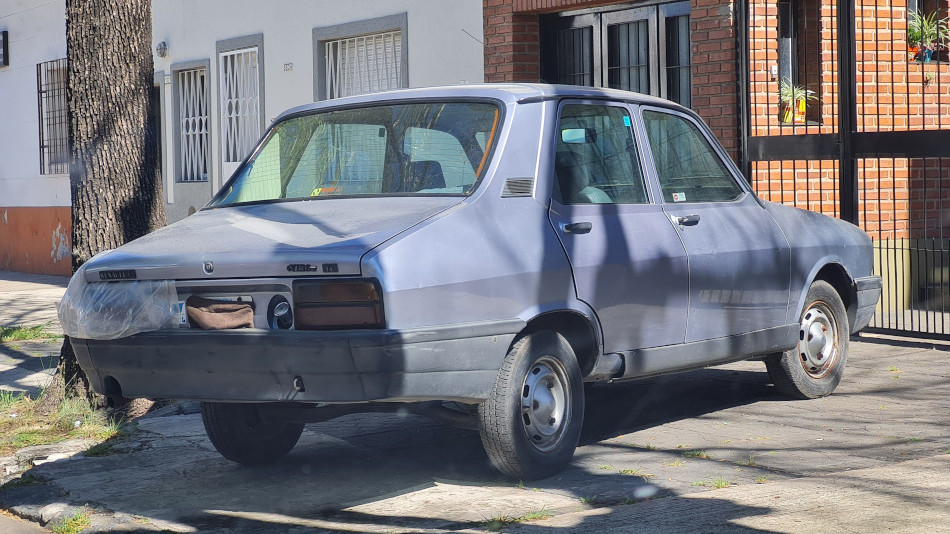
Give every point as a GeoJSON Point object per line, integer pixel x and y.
{"type": "Point", "coordinates": [337, 304]}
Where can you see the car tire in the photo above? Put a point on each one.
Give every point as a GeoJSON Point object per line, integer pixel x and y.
{"type": "Point", "coordinates": [814, 368]}
{"type": "Point", "coordinates": [240, 435]}
{"type": "Point", "coordinates": [531, 422]}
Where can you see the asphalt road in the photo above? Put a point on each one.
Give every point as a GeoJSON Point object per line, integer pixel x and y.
{"type": "Point", "coordinates": [710, 451]}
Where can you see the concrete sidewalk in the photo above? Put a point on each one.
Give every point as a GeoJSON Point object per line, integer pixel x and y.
{"type": "Point", "coordinates": [29, 300]}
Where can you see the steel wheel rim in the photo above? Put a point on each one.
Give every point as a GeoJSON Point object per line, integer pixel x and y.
{"type": "Point", "coordinates": [545, 403]}
{"type": "Point", "coordinates": [818, 340]}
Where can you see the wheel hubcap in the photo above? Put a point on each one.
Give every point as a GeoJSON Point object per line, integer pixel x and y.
{"type": "Point", "coordinates": [545, 403]}
{"type": "Point", "coordinates": [818, 340]}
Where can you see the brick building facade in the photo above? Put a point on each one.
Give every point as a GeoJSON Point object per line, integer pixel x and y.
{"type": "Point", "coordinates": [513, 52]}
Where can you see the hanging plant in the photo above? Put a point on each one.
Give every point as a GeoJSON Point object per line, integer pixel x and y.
{"type": "Point", "coordinates": [792, 102]}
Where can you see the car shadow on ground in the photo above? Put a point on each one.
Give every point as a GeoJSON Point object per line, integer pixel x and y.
{"type": "Point", "coordinates": [398, 471]}
{"type": "Point", "coordinates": [640, 404]}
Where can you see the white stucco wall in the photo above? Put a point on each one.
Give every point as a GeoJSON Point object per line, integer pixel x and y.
{"type": "Point", "coordinates": [37, 33]}
{"type": "Point", "coordinates": [443, 41]}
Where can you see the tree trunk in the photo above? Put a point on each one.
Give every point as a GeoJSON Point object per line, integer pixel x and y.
{"type": "Point", "coordinates": [114, 168]}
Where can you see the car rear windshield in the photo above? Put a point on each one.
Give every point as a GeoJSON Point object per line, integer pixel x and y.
{"type": "Point", "coordinates": [429, 148]}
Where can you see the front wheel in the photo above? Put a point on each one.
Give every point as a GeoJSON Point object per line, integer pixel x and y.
{"type": "Point", "coordinates": [814, 368]}
{"type": "Point", "coordinates": [532, 420]}
{"type": "Point", "coordinates": [239, 433]}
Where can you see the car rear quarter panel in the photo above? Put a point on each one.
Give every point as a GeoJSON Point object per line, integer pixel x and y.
{"type": "Point", "coordinates": [487, 259]}
{"type": "Point", "coordinates": [817, 241]}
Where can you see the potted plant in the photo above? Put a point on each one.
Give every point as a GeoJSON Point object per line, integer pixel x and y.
{"type": "Point", "coordinates": [926, 34]}
{"type": "Point", "coordinates": [792, 102]}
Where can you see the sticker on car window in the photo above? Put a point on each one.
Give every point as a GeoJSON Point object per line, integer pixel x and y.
{"type": "Point", "coordinates": [679, 197]}
{"type": "Point", "coordinates": [626, 121]}
{"type": "Point", "coordinates": [322, 190]}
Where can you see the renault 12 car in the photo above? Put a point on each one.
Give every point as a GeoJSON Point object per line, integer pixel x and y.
{"type": "Point", "coordinates": [474, 251]}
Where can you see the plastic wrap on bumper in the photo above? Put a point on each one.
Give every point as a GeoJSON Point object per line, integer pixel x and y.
{"type": "Point", "coordinates": [113, 310]}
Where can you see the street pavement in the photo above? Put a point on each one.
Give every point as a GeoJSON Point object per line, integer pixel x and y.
{"type": "Point", "coordinates": [715, 450]}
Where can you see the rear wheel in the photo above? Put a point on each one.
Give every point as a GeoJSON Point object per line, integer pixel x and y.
{"type": "Point", "coordinates": [532, 420]}
{"type": "Point", "coordinates": [239, 433]}
{"type": "Point", "coordinates": [814, 368]}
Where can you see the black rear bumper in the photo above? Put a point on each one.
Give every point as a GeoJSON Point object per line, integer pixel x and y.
{"type": "Point", "coordinates": [444, 363]}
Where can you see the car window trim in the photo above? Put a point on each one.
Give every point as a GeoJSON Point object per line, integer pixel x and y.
{"type": "Point", "coordinates": [701, 126]}
{"type": "Point", "coordinates": [644, 170]}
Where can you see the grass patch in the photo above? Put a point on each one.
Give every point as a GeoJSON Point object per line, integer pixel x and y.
{"type": "Point", "coordinates": [21, 425]}
{"type": "Point", "coordinates": [605, 467]}
{"type": "Point", "coordinates": [589, 500]}
{"type": "Point", "coordinates": [696, 454]}
{"type": "Point", "coordinates": [676, 463]}
{"type": "Point", "coordinates": [28, 479]}
{"type": "Point", "coordinates": [27, 333]}
{"type": "Point", "coordinates": [914, 439]}
{"type": "Point", "coordinates": [750, 462]}
{"type": "Point", "coordinates": [636, 473]}
{"type": "Point", "coordinates": [498, 523]}
{"type": "Point", "coordinates": [761, 480]}
{"type": "Point", "coordinates": [9, 398]}
{"type": "Point", "coordinates": [73, 524]}
{"type": "Point", "coordinates": [718, 483]}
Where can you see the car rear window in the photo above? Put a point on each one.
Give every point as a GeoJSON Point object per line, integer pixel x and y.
{"type": "Point", "coordinates": [429, 148]}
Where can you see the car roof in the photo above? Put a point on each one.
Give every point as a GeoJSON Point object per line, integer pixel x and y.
{"type": "Point", "coordinates": [509, 93]}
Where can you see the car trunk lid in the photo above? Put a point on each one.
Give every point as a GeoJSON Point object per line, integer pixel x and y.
{"type": "Point", "coordinates": [302, 238]}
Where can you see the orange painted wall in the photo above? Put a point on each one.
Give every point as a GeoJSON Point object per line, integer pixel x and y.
{"type": "Point", "coordinates": [36, 240]}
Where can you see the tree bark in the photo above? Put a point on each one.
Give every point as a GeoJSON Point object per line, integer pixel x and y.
{"type": "Point", "coordinates": [114, 168]}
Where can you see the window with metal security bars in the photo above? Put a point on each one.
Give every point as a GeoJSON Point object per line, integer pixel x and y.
{"type": "Point", "coordinates": [679, 85]}
{"type": "Point", "coordinates": [364, 64]}
{"type": "Point", "coordinates": [642, 49]}
{"type": "Point", "coordinates": [573, 56]}
{"type": "Point", "coordinates": [193, 120]}
{"type": "Point", "coordinates": [629, 56]}
{"type": "Point", "coordinates": [240, 103]}
{"type": "Point", "coordinates": [800, 54]}
{"type": "Point", "coordinates": [51, 95]}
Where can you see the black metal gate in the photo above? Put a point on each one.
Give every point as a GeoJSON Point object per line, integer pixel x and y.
{"type": "Point", "coordinates": [842, 116]}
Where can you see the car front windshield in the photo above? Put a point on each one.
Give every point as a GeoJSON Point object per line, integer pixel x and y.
{"type": "Point", "coordinates": [426, 148]}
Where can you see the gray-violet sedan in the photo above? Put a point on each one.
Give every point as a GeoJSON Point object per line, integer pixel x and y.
{"type": "Point", "coordinates": [478, 253]}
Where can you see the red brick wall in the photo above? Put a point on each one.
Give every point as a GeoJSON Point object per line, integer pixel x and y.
{"type": "Point", "coordinates": [899, 197]}
{"type": "Point", "coordinates": [715, 74]}
{"type": "Point", "coordinates": [512, 53]}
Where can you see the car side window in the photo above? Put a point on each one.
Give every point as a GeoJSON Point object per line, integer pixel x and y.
{"type": "Point", "coordinates": [687, 166]}
{"type": "Point", "coordinates": [596, 159]}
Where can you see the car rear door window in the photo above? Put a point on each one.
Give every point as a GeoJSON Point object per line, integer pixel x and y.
{"type": "Point", "coordinates": [596, 160]}
{"type": "Point", "coordinates": [687, 166]}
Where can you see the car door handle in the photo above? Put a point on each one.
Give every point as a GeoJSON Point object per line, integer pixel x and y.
{"type": "Point", "coordinates": [577, 228]}
{"type": "Point", "coordinates": [686, 220]}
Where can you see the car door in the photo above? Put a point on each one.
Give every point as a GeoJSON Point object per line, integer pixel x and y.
{"type": "Point", "coordinates": [628, 263]}
{"type": "Point", "coordinates": [739, 259]}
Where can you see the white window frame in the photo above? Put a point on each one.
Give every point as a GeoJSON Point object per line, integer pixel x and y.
{"type": "Point", "coordinates": [341, 44]}
{"type": "Point", "coordinates": [240, 116]}
{"type": "Point", "coordinates": [192, 121]}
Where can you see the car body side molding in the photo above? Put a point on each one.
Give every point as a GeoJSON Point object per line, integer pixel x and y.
{"type": "Point", "coordinates": [642, 363]}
